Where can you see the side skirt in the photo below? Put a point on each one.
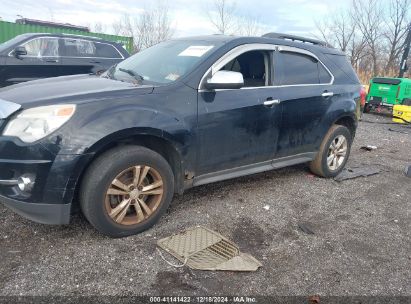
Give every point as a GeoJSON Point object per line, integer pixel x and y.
{"type": "Point", "coordinates": [252, 169]}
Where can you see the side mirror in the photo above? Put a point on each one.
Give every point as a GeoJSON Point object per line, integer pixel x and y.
{"type": "Point", "coordinates": [225, 80]}
{"type": "Point", "coordinates": [20, 51]}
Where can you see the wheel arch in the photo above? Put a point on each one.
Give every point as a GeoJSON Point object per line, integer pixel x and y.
{"type": "Point", "coordinates": [347, 121]}
{"type": "Point", "coordinates": [153, 140]}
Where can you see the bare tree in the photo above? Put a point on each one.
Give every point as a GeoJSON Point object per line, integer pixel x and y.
{"type": "Point", "coordinates": [396, 30]}
{"type": "Point", "coordinates": [338, 30]}
{"type": "Point", "coordinates": [222, 16]}
{"type": "Point", "coordinates": [152, 26]}
{"type": "Point", "coordinates": [124, 26]}
{"type": "Point", "coordinates": [357, 50]}
{"type": "Point", "coordinates": [98, 27]}
{"type": "Point", "coordinates": [248, 26]}
{"type": "Point", "coordinates": [368, 15]}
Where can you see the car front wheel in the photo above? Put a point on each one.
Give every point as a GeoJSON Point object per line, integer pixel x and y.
{"type": "Point", "coordinates": [126, 190]}
{"type": "Point", "coordinates": [334, 152]}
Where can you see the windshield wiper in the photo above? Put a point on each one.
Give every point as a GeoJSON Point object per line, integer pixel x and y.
{"type": "Point", "coordinates": [110, 72]}
{"type": "Point", "coordinates": [132, 73]}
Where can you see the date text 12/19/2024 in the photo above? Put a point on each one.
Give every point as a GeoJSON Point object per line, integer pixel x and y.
{"type": "Point", "coordinates": [235, 299]}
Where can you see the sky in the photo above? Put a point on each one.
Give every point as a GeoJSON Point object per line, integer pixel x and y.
{"type": "Point", "coordinates": [189, 16]}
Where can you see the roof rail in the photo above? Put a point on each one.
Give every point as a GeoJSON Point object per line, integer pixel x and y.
{"type": "Point", "coordinates": [297, 38]}
{"type": "Point", "coordinates": [81, 36]}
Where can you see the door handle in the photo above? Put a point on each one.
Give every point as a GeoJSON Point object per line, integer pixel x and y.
{"type": "Point", "coordinates": [327, 94]}
{"type": "Point", "coordinates": [94, 61]}
{"type": "Point", "coordinates": [270, 102]}
{"type": "Point", "coordinates": [52, 60]}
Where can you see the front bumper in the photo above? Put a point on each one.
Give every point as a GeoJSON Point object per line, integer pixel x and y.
{"type": "Point", "coordinates": [52, 214]}
{"type": "Point", "coordinates": [54, 176]}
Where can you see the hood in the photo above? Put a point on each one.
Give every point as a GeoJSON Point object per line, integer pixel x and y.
{"type": "Point", "coordinates": [7, 108]}
{"type": "Point", "coordinates": [68, 89]}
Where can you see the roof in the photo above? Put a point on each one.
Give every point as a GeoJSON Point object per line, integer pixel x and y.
{"type": "Point", "coordinates": [66, 36]}
{"type": "Point", "coordinates": [223, 39]}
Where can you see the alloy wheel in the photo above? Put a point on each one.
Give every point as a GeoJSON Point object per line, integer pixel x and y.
{"type": "Point", "coordinates": [337, 152]}
{"type": "Point", "coordinates": [134, 195]}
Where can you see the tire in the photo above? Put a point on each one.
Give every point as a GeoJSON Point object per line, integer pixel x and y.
{"type": "Point", "coordinates": [115, 184]}
{"type": "Point", "coordinates": [406, 102]}
{"type": "Point", "coordinates": [319, 165]}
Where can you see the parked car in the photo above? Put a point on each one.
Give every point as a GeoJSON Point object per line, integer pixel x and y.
{"type": "Point", "coordinates": [180, 114]}
{"type": "Point", "coordinates": [34, 56]}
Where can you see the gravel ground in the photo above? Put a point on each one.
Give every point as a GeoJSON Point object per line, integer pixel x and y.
{"type": "Point", "coordinates": [361, 243]}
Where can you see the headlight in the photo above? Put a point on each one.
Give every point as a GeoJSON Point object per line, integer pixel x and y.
{"type": "Point", "coordinates": [36, 123]}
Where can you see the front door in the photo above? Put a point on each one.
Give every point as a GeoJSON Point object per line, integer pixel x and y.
{"type": "Point", "coordinates": [42, 61]}
{"type": "Point", "coordinates": [239, 127]}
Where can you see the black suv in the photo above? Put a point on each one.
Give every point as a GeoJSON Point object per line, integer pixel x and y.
{"type": "Point", "coordinates": [180, 114]}
{"type": "Point", "coordinates": [34, 56]}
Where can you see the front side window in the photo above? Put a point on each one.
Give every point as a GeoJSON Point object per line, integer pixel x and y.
{"type": "Point", "coordinates": [298, 69]}
{"type": "Point", "coordinates": [79, 48]}
{"type": "Point", "coordinates": [42, 47]}
{"type": "Point", "coordinates": [165, 62]}
{"type": "Point", "coordinates": [254, 67]}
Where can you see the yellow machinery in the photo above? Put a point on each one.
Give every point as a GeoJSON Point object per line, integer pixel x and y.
{"type": "Point", "coordinates": [402, 114]}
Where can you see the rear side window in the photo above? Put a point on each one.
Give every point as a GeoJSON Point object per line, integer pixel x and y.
{"type": "Point", "coordinates": [323, 74]}
{"type": "Point", "coordinates": [298, 69]}
{"type": "Point", "coordinates": [104, 50]}
{"type": "Point", "coordinates": [79, 48]}
{"type": "Point", "coordinates": [42, 47]}
{"type": "Point", "coordinates": [343, 65]}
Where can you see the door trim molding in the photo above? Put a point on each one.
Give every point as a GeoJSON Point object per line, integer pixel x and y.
{"type": "Point", "coordinates": [252, 169]}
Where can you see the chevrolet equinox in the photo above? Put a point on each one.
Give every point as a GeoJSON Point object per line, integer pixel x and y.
{"type": "Point", "coordinates": [180, 114]}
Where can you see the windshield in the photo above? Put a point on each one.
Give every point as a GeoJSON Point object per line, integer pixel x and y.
{"type": "Point", "coordinates": [9, 43]}
{"type": "Point", "coordinates": [162, 63]}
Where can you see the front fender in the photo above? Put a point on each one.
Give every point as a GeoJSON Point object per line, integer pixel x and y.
{"type": "Point", "coordinates": [93, 127]}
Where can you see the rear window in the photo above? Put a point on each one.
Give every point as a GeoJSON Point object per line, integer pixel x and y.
{"type": "Point", "coordinates": [344, 65]}
{"type": "Point", "coordinates": [386, 81]}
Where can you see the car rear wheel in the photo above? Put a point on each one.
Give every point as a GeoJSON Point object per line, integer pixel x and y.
{"type": "Point", "coordinates": [126, 190]}
{"type": "Point", "coordinates": [334, 152]}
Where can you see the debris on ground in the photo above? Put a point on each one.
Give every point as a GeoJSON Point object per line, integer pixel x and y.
{"type": "Point", "coordinates": [398, 131]}
{"type": "Point", "coordinates": [203, 249]}
{"type": "Point", "coordinates": [314, 299]}
{"type": "Point", "coordinates": [305, 228]}
{"type": "Point", "coordinates": [408, 170]}
{"type": "Point", "coordinates": [369, 148]}
{"type": "Point", "coordinates": [266, 207]}
{"type": "Point", "coordinates": [350, 173]}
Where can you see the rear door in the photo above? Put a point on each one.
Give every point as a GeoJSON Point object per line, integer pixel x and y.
{"type": "Point", "coordinates": [83, 56]}
{"type": "Point", "coordinates": [42, 60]}
{"type": "Point", "coordinates": [77, 56]}
{"type": "Point", "coordinates": [305, 92]}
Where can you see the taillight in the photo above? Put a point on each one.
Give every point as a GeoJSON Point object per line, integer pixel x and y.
{"type": "Point", "coordinates": [398, 92]}
{"type": "Point", "coordinates": [362, 96]}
